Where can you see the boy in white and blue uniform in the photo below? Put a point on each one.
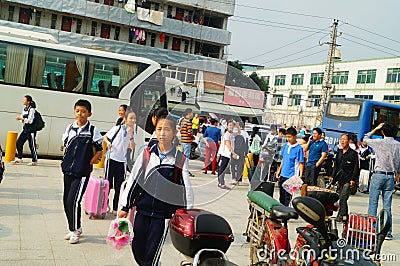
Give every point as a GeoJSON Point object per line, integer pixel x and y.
{"type": "Point", "coordinates": [292, 164]}
{"type": "Point", "coordinates": [77, 164]}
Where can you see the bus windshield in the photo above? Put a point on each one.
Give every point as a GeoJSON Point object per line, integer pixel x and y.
{"type": "Point", "coordinates": [343, 111]}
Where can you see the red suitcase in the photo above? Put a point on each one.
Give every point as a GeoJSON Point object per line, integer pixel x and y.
{"type": "Point", "coordinates": [96, 198]}
{"type": "Point", "coordinates": [196, 229]}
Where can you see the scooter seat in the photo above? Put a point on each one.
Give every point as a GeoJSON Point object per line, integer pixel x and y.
{"type": "Point", "coordinates": [284, 213]}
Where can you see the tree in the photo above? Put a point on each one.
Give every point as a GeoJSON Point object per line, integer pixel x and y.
{"type": "Point", "coordinates": [260, 81]}
{"type": "Point", "coordinates": [236, 64]}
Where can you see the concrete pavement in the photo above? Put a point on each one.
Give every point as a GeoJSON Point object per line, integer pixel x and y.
{"type": "Point", "coordinates": [33, 224]}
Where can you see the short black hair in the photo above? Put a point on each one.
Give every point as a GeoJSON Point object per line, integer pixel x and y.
{"type": "Point", "coordinates": [168, 118]}
{"type": "Point", "coordinates": [282, 130]}
{"type": "Point", "coordinates": [213, 121]}
{"type": "Point", "coordinates": [389, 130]}
{"type": "Point", "coordinates": [84, 103]}
{"type": "Point", "coordinates": [188, 110]}
{"type": "Point", "coordinates": [159, 112]}
{"type": "Point", "coordinates": [273, 127]}
{"type": "Point", "coordinates": [124, 106]}
{"type": "Point", "coordinates": [291, 131]}
{"type": "Point", "coordinates": [241, 124]}
{"type": "Point", "coordinates": [319, 131]}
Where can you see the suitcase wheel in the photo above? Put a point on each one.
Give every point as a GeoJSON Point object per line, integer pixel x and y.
{"type": "Point", "coordinates": [86, 212]}
{"type": "Point", "coordinates": [91, 216]}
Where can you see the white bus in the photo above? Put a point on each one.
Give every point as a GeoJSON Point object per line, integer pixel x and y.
{"type": "Point", "coordinates": [56, 76]}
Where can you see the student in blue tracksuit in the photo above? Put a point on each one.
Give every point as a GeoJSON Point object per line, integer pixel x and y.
{"type": "Point", "coordinates": [27, 116]}
{"type": "Point", "coordinates": [159, 184]}
{"type": "Point", "coordinates": [77, 164]}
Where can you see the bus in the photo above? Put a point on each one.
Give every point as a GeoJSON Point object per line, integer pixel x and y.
{"type": "Point", "coordinates": [56, 76]}
{"type": "Point", "coordinates": [357, 116]}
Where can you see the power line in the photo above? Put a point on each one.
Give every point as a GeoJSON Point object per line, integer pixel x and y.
{"type": "Point", "coordinates": [286, 56]}
{"type": "Point", "coordinates": [269, 25]}
{"type": "Point", "coordinates": [298, 58]}
{"type": "Point", "coordinates": [274, 22]}
{"type": "Point", "coordinates": [373, 43]}
{"type": "Point", "coordinates": [372, 32]}
{"type": "Point", "coordinates": [281, 47]}
{"type": "Point", "coordinates": [368, 46]}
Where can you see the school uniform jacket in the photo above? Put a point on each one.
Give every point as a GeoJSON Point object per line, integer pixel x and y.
{"type": "Point", "coordinates": [158, 193]}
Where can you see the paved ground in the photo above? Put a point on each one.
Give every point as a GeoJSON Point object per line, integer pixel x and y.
{"type": "Point", "coordinates": [32, 223]}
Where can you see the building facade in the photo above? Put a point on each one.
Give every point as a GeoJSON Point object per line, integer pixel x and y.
{"type": "Point", "coordinates": [295, 92]}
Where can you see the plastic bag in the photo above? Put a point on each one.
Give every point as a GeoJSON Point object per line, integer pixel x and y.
{"type": "Point", "coordinates": [120, 233]}
{"type": "Point", "coordinates": [292, 185]}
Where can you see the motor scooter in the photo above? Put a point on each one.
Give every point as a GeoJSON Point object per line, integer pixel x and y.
{"type": "Point", "coordinates": [202, 236]}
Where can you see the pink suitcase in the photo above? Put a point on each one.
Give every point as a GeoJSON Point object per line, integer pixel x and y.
{"type": "Point", "coordinates": [132, 211]}
{"type": "Point", "coordinates": [96, 199]}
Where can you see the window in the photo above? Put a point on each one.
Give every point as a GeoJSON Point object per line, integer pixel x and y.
{"type": "Point", "coordinates": [10, 13]}
{"type": "Point", "coordinates": [156, 6]}
{"type": "Point", "coordinates": [297, 79]}
{"type": "Point", "coordinates": [105, 31]}
{"type": "Point", "coordinates": [393, 75]}
{"type": "Point", "coordinates": [153, 39]}
{"type": "Point", "coordinates": [314, 100]}
{"type": "Point", "coordinates": [266, 79]}
{"type": "Point", "coordinates": [53, 21]}
{"type": "Point", "coordinates": [338, 96]}
{"type": "Point", "coordinates": [317, 78]}
{"type": "Point", "coordinates": [166, 42]}
{"type": "Point", "coordinates": [365, 97]}
{"type": "Point", "coordinates": [280, 80]}
{"type": "Point", "coordinates": [366, 76]}
{"type": "Point", "coordinates": [185, 75]}
{"type": "Point", "coordinates": [65, 71]}
{"type": "Point", "coordinates": [38, 15]}
{"type": "Point", "coordinates": [277, 99]}
{"type": "Point", "coordinates": [340, 77]}
{"type": "Point", "coordinates": [382, 114]}
{"type": "Point", "coordinates": [78, 25]}
{"type": "Point", "coordinates": [294, 99]}
{"type": "Point", "coordinates": [117, 32]}
{"type": "Point", "coordinates": [176, 44]}
{"type": "Point", "coordinates": [186, 49]}
{"type": "Point", "coordinates": [94, 28]}
{"type": "Point", "coordinates": [392, 98]}
{"type": "Point", "coordinates": [66, 24]}
{"type": "Point", "coordinates": [344, 110]}
{"type": "Point", "coordinates": [109, 2]}
{"type": "Point", "coordinates": [24, 15]}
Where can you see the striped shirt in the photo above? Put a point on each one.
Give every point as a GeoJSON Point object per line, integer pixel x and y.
{"type": "Point", "coordinates": [387, 153]}
{"type": "Point", "coordinates": [186, 131]}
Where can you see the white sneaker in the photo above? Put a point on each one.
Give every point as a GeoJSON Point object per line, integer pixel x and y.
{"type": "Point", "coordinates": [32, 164]}
{"type": "Point", "coordinates": [69, 235]}
{"type": "Point", "coordinates": [75, 237]}
{"type": "Point", "coordinates": [17, 161]}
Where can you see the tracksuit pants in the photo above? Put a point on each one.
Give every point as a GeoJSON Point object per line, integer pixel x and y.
{"type": "Point", "coordinates": [284, 196]}
{"type": "Point", "coordinates": [22, 138]}
{"type": "Point", "coordinates": [115, 174]}
{"type": "Point", "coordinates": [149, 236]}
{"type": "Point", "coordinates": [74, 189]}
{"type": "Point", "coordinates": [223, 167]}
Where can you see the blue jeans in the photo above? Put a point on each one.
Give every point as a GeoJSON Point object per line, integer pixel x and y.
{"type": "Point", "coordinates": [384, 183]}
{"type": "Point", "coordinates": [186, 149]}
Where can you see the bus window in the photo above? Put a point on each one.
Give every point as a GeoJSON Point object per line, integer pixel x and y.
{"type": "Point", "coordinates": [2, 61]}
{"type": "Point", "coordinates": [344, 111]}
{"type": "Point", "coordinates": [107, 76]}
{"type": "Point", "coordinates": [383, 114]}
{"type": "Point", "coordinates": [15, 64]}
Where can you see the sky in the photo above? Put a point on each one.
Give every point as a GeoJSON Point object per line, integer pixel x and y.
{"type": "Point", "coordinates": [269, 33]}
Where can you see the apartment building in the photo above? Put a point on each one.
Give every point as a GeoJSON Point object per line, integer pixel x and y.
{"type": "Point", "coordinates": [295, 92]}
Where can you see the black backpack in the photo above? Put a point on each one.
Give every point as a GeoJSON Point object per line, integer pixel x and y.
{"type": "Point", "coordinates": [241, 147]}
{"type": "Point", "coordinates": [37, 124]}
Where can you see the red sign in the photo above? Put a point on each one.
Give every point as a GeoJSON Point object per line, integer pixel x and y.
{"type": "Point", "coordinates": [244, 97]}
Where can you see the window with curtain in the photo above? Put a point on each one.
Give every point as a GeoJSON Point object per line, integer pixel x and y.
{"type": "Point", "coordinates": [297, 79]}
{"type": "Point", "coordinates": [316, 78]}
{"type": "Point", "coordinates": [16, 64]}
{"type": "Point", "coordinates": [3, 48]}
{"type": "Point", "coordinates": [366, 76]}
{"type": "Point", "coordinates": [38, 67]}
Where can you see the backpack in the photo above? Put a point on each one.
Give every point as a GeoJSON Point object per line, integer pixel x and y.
{"type": "Point", "coordinates": [240, 146]}
{"type": "Point", "coordinates": [138, 190]}
{"type": "Point", "coordinates": [255, 146]}
{"type": "Point", "coordinates": [37, 123]}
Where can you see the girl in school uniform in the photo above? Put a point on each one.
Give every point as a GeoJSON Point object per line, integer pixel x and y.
{"type": "Point", "coordinates": [118, 140]}
{"type": "Point", "coordinates": [158, 185]}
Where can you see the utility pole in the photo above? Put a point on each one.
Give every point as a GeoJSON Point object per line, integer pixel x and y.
{"type": "Point", "coordinates": [327, 83]}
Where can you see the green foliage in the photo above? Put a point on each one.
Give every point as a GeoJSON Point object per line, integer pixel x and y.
{"type": "Point", "coordinates": [260, 82]}
{"type": "Point", "coordinates": [236, 64]}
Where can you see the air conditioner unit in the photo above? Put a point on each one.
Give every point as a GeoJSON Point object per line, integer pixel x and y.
{"type": "Point", "coordinates": [309, 89]}
{"type": "Point", "coordinates": [332, 90]}
{"type": "Point", "coordinates": [290, 90]}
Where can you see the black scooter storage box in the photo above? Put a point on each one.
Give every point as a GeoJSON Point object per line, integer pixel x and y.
{"type": "Point", "coordinates": [195, 229]}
